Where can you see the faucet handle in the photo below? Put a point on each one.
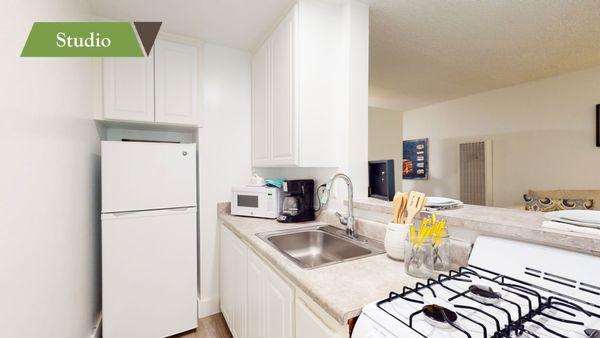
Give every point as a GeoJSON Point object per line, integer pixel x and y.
{"type": "Point", "coordinates": [343, 219]}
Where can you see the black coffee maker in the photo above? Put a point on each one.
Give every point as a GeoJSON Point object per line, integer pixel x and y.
{"type": "Point", "coordinates": [298, 201]}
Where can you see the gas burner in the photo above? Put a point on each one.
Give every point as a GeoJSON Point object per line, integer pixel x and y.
{"type": "Point", "coordinates": [439, 316]}
{"type": "Point", "coordinates": [485, 293]}
{"type": "Point", "coordinates": [592, 333]}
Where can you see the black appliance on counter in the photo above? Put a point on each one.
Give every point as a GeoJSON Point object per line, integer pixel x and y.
{"type": "Point", "coordinates": [298, 201]}
{"type": "Point", "coordinates": [381, 180]}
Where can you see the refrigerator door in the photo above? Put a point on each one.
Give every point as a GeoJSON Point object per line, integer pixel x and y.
{"type": "Point", "coordinates": [149, 273]}
{"type": "Point", "coordinates": [147, 176]}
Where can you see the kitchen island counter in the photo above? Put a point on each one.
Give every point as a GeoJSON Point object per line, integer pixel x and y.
{"type": "Point", "coordinates": [507, 223]}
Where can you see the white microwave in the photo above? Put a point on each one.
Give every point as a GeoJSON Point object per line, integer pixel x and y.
{"type": "Point", "coordinates": [264, 202]}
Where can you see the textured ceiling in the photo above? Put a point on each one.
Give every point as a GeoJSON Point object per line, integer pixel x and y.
{"type": "Point", "coordinates": [235, 23]}
{"type": "Point", "coordinates": [428, 51]}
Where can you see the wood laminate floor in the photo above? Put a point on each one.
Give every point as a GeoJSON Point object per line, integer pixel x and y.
{"type": "Point", "coordinates": [209, 327]}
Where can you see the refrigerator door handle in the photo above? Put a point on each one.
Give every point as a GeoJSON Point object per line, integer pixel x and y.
{"type": "Point", "coordinates": [122, 213]}
{"type": "Point", "coordinates": [178, 209]}
{"type": "Point", "coordinates": [148, 213]}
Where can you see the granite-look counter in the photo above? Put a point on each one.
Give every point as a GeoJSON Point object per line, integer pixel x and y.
{"type": "Point", "coordinates": [341, 289]}
{"type": "Point", "coordinates": [501, 222]}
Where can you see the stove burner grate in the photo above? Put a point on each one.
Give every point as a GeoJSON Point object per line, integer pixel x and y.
{"type": "Point", "coordinates": [489, 296]}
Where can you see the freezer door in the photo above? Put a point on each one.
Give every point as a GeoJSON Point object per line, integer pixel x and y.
{"type": "Point", "coordinates": [149, 273]}
{"type": "Point", "coordinates": [146, 176]}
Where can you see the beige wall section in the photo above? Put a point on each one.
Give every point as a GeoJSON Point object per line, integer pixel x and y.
{"type": "Point", "coordinates": [223, 155]}
{"type": "Point", "coordinates": [385, 139]}
{"type": "Point", "coordinates": [49, 179]}
{"type": "Point", "coordinates": [543, 135]}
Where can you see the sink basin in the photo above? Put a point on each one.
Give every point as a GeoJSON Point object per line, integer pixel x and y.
{"type": "Point", "coordinates": [318, 246]}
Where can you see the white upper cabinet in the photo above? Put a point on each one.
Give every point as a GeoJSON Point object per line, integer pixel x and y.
{"type": "Point", "coordinates": [296, 89]}
{"type": "Point", "coordinates": [162, 88]}
{"type": "Point", "coordinates": [129, 88]}
{"type": "Point", "coordinates": [176, 87]}
{"type": "Point", "coordinates": [284, 150]}
{"type": "Point", "coordinates": [261, 153]}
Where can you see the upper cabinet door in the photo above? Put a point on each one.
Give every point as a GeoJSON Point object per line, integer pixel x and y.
{"type": "Point", "coordinates": [176, 83]}
{"type": "Point", "coordinates": [261, 105]}
{"type": "Point", "coordinates": [284, 113]}
{"type": "Point", "coordinates": [129, 88]}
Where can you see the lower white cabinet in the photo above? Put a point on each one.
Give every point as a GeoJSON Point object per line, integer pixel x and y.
{"type": "Point", "coordinates": [270, 302]}
{"type": "Point", "coordinates": [258, 303]}
{"type": "Point", "coordinates": [308, 325]}
{"type": "Point", "coordinates": [233, 282]}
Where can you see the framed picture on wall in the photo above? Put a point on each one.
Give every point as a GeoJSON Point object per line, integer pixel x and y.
{"type": "Point", "coordinates": [598, 125]}
{"type": "Point", "coordinates": [415, 159]}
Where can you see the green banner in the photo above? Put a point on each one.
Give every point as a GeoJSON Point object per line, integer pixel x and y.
{"type": "Point", "coordinates": [88, 39]}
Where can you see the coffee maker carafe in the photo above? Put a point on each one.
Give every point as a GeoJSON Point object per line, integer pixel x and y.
{"type": "Point", "coordinates": [298, 201]}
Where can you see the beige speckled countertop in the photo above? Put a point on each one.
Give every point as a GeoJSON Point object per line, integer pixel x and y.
{"type": "Point", "coordinates": [340, 289]}
{"type": "Point", "coordinates": [502, 222]}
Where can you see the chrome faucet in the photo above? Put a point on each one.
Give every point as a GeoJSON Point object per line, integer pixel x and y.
{"type": "Point", "coordinates": [348, 220]}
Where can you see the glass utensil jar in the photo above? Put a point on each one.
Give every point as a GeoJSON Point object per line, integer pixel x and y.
{"type": "Point", "coordinates": [418, 260]}
{"type": "Point", "coordinates": [441, 254]}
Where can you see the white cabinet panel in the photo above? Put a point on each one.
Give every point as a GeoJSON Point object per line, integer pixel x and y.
{"type": "Point", "coordinates": [278, 307]}
{"type": "Point", "coordinates": [308, 325]}
{"type": "Point", "coordinates": [255, 306]}
{"type": "Point", "coordinates": [270, 301]}
{"type": "Point", "coordinates": [225, 266]}
{"type": "Point", "coordinates": [149, 273]}
{"type": "Point", "coordinates": [176, 82]}
{"type": "Point", "coordinates": [299, 108]}
{"type": "Point", "coordinates": [284, 124]}
{"type": "Point", "coordinates": [129, 88]}
{"type": "Point", "coordinates": [260, 105]}
{"type": "Point", "coordinates": [233, 282]}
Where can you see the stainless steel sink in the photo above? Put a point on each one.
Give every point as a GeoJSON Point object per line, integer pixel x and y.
{"type": "Point", "coordinates": [317, 246]}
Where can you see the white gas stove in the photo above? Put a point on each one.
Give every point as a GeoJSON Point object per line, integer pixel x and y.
{"type": "Point", "coordinates": [509, 289]}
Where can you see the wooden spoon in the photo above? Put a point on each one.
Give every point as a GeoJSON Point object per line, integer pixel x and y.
{"type": "Point", "coordinates": [403, 205]}
{"type": "Point", "coordinates": [396, 204]}
{"type": "Point", "coordinates": [416, 200]}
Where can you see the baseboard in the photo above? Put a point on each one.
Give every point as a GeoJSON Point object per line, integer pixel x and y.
{"type": "Point", "coordinates": [97, 329]}
{"type": "Point", "coordinates": [208, 307]}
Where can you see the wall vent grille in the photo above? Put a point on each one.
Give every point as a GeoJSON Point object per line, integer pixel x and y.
{"type": "Point", "coordinates": [472, 173]}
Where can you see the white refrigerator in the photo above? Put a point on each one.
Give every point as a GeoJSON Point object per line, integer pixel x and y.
{"type": "Point", "coordinates": [148, 239]}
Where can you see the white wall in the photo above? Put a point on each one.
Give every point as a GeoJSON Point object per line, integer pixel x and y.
{"type": "Point", "coordinates": [543, 135]}
{"type": "Point", "coordinates": [357, 96]}
{"type": "Point", "coordinates": [224, 154]}
{"type": "Point", "coordinates": [385, 139]}
{"type": "Point", "coordinates": [49, 183]}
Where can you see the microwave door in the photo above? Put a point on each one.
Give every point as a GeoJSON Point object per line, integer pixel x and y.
{"type": "Point", "coordinates": [247, 201]}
